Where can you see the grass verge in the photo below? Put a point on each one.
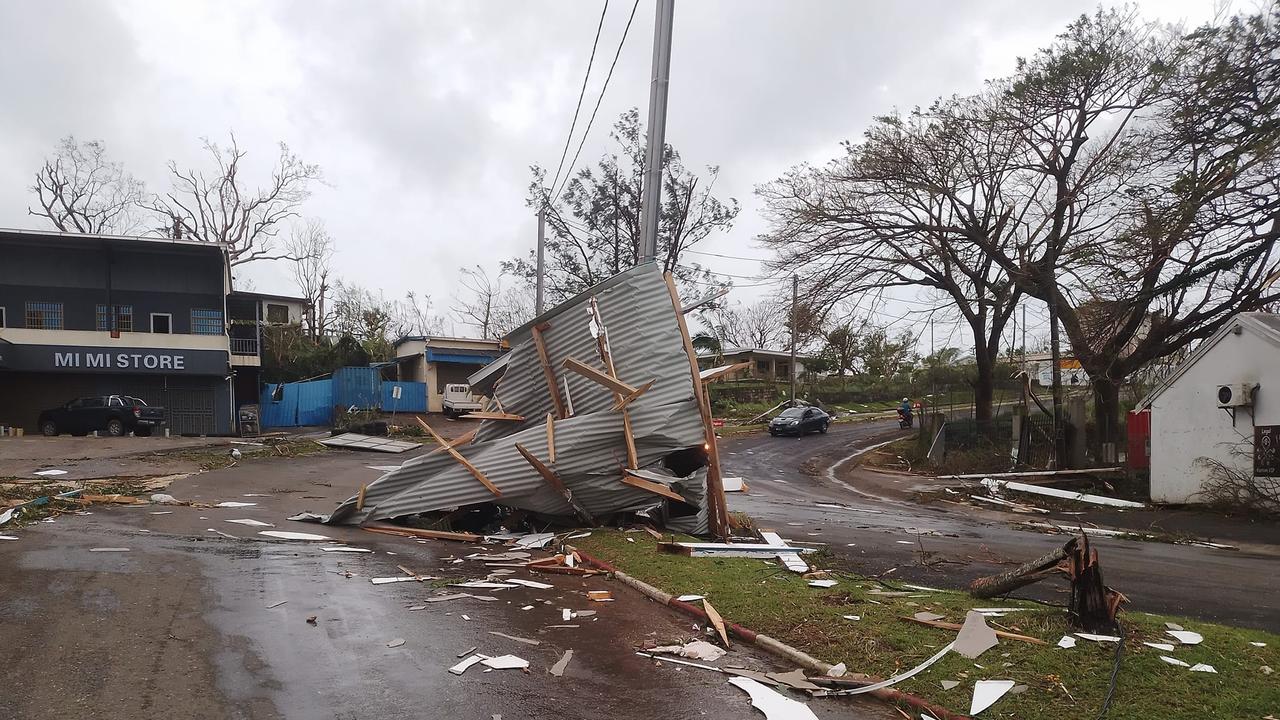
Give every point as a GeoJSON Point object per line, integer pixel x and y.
{"type": "Point", "coordinates": [1061, 683]}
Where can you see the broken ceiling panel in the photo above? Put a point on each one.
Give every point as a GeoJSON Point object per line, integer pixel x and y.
{"type": "Point", "coordinates": [645, 342]}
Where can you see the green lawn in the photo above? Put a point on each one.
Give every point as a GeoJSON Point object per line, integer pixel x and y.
{"type": "Point", "coordinates": [1064, 684]}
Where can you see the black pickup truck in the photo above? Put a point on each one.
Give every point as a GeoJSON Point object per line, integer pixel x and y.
{"type": "Point", "coordinates": [115, 415]}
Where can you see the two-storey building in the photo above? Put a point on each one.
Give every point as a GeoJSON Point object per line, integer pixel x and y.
{"type": "Point", "coordinates": [84, 315]}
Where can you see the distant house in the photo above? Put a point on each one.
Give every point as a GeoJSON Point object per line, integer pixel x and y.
{"type": "Point", "coordinates": [1211, 408]}
{"type": "Point", "coordinates": [1039, 366]}
{"type": "Point", "coordinates": [439, 361]}
{"type": "Point", "coordinates": [765, 364]}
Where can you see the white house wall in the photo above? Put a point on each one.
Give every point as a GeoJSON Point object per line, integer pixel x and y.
{"type": "Point", "coordinates": [1187, 426]}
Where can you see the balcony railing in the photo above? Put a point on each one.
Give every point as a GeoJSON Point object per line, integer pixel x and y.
{"type": "Point", "coordinates": [244, 346]}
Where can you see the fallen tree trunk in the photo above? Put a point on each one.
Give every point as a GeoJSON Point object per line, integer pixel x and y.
{"type": "Point", "coordinates": [1023, 575]}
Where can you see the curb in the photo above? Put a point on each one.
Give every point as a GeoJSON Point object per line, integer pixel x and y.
{"type": "Point", "coordinates": [764, 642]}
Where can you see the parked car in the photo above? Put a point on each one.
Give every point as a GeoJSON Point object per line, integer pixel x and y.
{"type": "Point", "coordinates": [798, 421]}
{"type": "Point", "coordinates": [115, 415]}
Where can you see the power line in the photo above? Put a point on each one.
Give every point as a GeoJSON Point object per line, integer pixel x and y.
{"type": "Point", "coordinates": [727, 257]}
{"type": "Point", "coordinates": [556, 195]}
{"type": "Point", "coordinates": [581, 93]}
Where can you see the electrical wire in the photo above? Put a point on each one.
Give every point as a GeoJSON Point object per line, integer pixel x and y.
{"type": "Point", "coordinates": [1115, 674]}
{"type": "Point", "coordinates": [568, 140]}
{"type": "Point", "coordinates": [726, 257]}
{"type": "Point", "coordinates": [587, 131]}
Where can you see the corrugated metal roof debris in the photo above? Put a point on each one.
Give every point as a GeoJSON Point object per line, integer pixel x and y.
{"type": "Point", "coordinates": [643, 338]}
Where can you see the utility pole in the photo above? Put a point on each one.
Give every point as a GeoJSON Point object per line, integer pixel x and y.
{"type": "Point", "coordinates": [795, 293]}
{"type": "Point", "coordinates": [651, 203]}
{"type": "Point", "coordinates": [542, 271]}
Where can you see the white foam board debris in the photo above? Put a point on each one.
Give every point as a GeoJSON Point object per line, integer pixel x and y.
{"type": "Point", "coordinates": [1257, 644]}
{"type": "Point", "coordinates": [928, 616]}
{"type": "Point", "coordinates": [234, 504]}
{"type": "Point", "coordinates": [162, 512]}
{"type": "Point", "coordinates": [1098, 638]}
{"type": "Point", "coordinates": [526, 641]}
{"type": "Point", "coordinates": [109, 549]}
{"type": "Point", "coordinates": [773, 704]}
{"type": "Point", "coordinates": [949, 684]}
{"type": "Point", "coordinates": [852, 617]}
{"type": "Point", "coordinates": [395, 579]}
{"type": "Point", "coordinates": [1167, 647]}
{"type": "Point", "coordinates": [51, 472]}
{"type": "Point", "coordinates": [8, 537]}
{"type": "Point", "coordinates": [975, 636]}
{"type": "Point", "coordinates": [822, 583]}
{"type": "Point", "coordinates": [986, 693]}
{"type": "Point", "coordinates": [1201, 667]}
{"type": "Point", "coordinates": [276, 604]}
{"type": "Point", "coordinates": [289, 535]}
{"type": "Point", "coordinates": [505, 662]}
{"type": "Point", "coordinates": [575, 536]}
{"type": "Point", "coordinates": [690, 598]}
{"type": "Point", "coordinates": [1186, 637]}
{"type": "Point", "coordinates": [251, 522]}
{"type": "Point", "coordinates": [345, 548]}
{"type": "Point", "coordinates": [534, 540]}
{"type": "Point", "coordinates": [1173, 626]}
{"type": "Point", "coordinates": [396, 643]}
{"type": "Point", "coordinates": [566, 614]}
{"type": "Point", "coordinates": [468, 662]}
{"type": "Point", "coordinates": [1067, 642]}
{"type": "Point", "coordinates": [485, 585]}
{"type": "Point", "coordinates": [445, 598]}
{"type": "Point", "coordinates": [1174, 661]}
{"type": "Point", "coordinates": [531, 583]}
{"type": "Point", "coordinates": [558, 669]}
{"type": "Point", "coordinates": [837, 670]}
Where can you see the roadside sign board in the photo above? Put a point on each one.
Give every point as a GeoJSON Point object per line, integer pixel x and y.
{"type": "Point", "coordinates": [1266, 451]}
{"type": "Point", "coordinates": [395, 392]}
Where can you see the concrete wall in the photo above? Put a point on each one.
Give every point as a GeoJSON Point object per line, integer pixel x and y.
{"type": "Point", "coordinates": [1187, 425]}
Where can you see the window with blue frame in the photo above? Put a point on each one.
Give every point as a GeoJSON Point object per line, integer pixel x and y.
{"type": "Point", "coordinates": [207, 322]}
{"type": "Point", "coordinates": [123, 318]}
{"type": "Point", "coordinates": [44, 316]}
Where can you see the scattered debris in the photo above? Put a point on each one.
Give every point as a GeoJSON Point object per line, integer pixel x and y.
{"type": "Point", "coordinates": [1167, 647]}
{"type": "Point", "coordinates": [276, 604]}
{"type": "Point", "coordinates": [600, 595]}
{"type": "Point", "coordinates": [747, 550]}
{"type": "Point", "coordinates": [311, 620]}
{"type": "Point", "coordinates": [690, 598]}
{"type": "Point", "coordinates": [396, 643]}
{"type": "Point", "coordinates": [345, 548]}
{"type": "Point", "coordinates": [109, 549]}
{"type": "Point", "coordinates": [1201, 667]}
{"type": "Point", "coordinates": [852, 617]}
{"type": "Point", "coordinates": [446, 598]}
{"type": "Point", "coordinates": [462, 666]}
{"type": "Point", "coordinates": [1257, 644]}
{"type": "Point", "coordinates": [287, 535]}
{"type": "Point", "coordinates": [927, 616]}
{"type": "Point", "coordinates": [484, 585]}
{"type": "Point", "coordinates": [773, 704]}
{"type": "Point", "coordinates": [949, 684]}
{"type": "Point", "coordinates": [975, 637]}
{"type": "Point", "coordinates": [986, 693]}
{"type": "Point", "coordinates": [8, 537]}
{"type": "Point", "coordinates": [696, 650]}
{"type": "Point", "coordinates": [47, 473]}
{"type": "Point", "coordinates": [1098, 638]}
{"type": "Point", "coordinates": [1174, 661]}
{"type": "Point", "coordinates": [822, 583]}
{"type": "Point", "coordinates": [234, 504]}
{"type": "Point", "coordinates": [254, 523]}
{"type": "Point", "coordinates": [526, 641]}
{"type": "Point", "coordinates": [505, 662]}
{"type": "Point", "coordinates": [1067, 642]}
{"type": "Point", "coordinates": [837, 670]}
{"type": "Point", "coordinates": [1186, 637]}
{"type": "Point", "coordinates": [401, 578]}
{"type": "Point", "coordinates": [532, 584]}
{"type": "Point", "coordinates": [791, 560]}
{"type": "Point", "coordinates": [716, 621]}
{"type": "Point", "coordinates": [997, 486]}
{"type": "Point", "coordinates": [899, 678]}
{"type": "Point", "coordinates": [356, 441]}
{"type": "Point", "coordinates": [558, 669]}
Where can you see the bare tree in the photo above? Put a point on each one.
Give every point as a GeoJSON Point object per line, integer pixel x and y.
{"type": "Point", "coordinates": [762, 325]}
{"type": "Point", "coordinates": [488, 307]}
{"type": "Point", "coordinates": [222, 207]}
{"type": "Point", "coordinates": [594, 223]}
{"type": "Point", "coordinates": [80, 190]}
{"type": "Point", "coordinates": [312, 245]}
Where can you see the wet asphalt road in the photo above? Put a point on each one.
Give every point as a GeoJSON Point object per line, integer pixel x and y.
{"type": "Point", "coordinates": [879, 531]}
{"type": "Point", "coordinates": [180, 626]}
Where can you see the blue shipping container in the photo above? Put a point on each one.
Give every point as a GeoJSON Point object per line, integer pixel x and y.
{"type": "Point", "coordinates": [358, 386]}
{"type": "Point", "coordinates": [300, 404]}
{"type": "Point", "coordinates": [413, 397]}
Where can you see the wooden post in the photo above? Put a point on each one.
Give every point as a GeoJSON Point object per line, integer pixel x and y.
{"type": "Point", "coordinates": [475, 472]}
{"type": "Point", "coordinates": [551, 439]}
{"type": "Point", "coordinates": [548, 372]}
{"type": "Point", "coordinates": [717, 510]}
{"type": "Point", "coordinates": [555, 482]}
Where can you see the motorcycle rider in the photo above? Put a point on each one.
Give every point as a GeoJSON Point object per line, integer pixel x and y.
{"type": "Point", "coordinates": [904, 413]}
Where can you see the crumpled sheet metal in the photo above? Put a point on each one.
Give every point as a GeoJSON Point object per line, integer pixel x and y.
{"type": "Point", "coordinates": [646, 344]}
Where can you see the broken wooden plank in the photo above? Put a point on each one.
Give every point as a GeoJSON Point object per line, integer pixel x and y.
{"type": "Point", "coordinates": [360, 497]}
{"type": "Point", "coordinates": [716, 621]}
{"type": "Point", "coordinates": [551, 439]}
{"type": "Point", "coordinates": [717, 508]}
{"type": "Point", "coordinates": [475, 472]}
{"type": "Point", "coordinates": [564, 570]}
{"type": "Point", "coordinates": [457, 442]}
{"type": "Point", "coordinates": [112, 499]}
{"type": "Point", "coordinates": [590, 373]}
{"type": "Point", "coordinates": [481, 415]}
{"type": "Point", "coordinates": [421, 533]}
{"type": "Point", "coordinates": [626, 400]}
{"type": "Point", "coordinates": [556, 483]}
{"type": "Point", "coordinates": [956, 626]}
{"type": "Point", "coordinates": [548, 372]}
{"type": "Point", "coordinates": [657, 488]}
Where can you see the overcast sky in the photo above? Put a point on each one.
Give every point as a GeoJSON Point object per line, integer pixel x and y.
{"type": "Point", "coordinates": [426, 116]}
